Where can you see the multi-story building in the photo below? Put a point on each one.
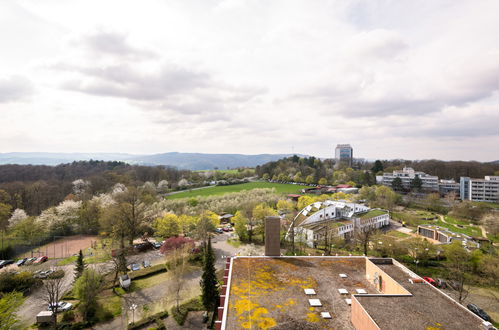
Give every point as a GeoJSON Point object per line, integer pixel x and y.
{"type": "Point", "coordinates": [322, 220]}
{"type": "Point", "coordinates": [480, 190]}
{"type": "Point", "coordinates": [407, 174]}
{"type": "Point", "coordinates": [344, 154]}
{"type": "Point", "coordinates": [446, 187]}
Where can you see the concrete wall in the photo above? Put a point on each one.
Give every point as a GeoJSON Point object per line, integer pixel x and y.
{"type": "Point", "coordinates": [360, 319]}
{"type": "Point", "coordinates": [382, 281]}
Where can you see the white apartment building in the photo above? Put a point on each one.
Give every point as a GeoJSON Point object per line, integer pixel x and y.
{"type": "Point", "coordinates": [407, 174]}
{"type": "Point", "coordinates": [335, 218]}
{"type": "Point", "coordinates": [480, 190]}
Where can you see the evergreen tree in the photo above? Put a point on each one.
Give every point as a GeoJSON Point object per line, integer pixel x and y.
{"type": "Point", "coordinates": [378, 167]}
{"type": "Point", "coordinates": [397, 184]}
{"type": "Point", "coordinates": [209, 285]}
{"type": "Point", "coordinates": [80, 265]}
{"type": "Point", "coordinates": [417, 183]}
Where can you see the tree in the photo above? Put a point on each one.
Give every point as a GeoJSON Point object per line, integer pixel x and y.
{"type": "Point", "coordinates": [285, 205]}
{"type": "Point", "coordinates": [491, 223]}
{"type": "Point", "coordinates": [377, 167]}
{"type": "Point", "coordinates": [86, 289]}
{"type": "Point", "coordinates": [266, 176]}
{"type": "Point", "coordinates": [385, 197]}
{"type": "Point", "coordinates": [260, 212]}
{"type": "Point", "coordinates": [80, 265]}
{"type": "Point", "coordinates": [29, 230]}
{"type": "Point", "coordinates": [363, 236]}
{"type": "Point", "coordinates": [240, 225]}
{"type": "Point", "coordinates": [4, 215]}
{"type": "Point", "coordinates": [53, 293]}
{"type": "Point", "coordinates": [167, 226]}
{"type": "Point", "coordinates": [417, 183]}
{"type": "Point", "coordinates": [88, 217]}
{"type": "Point", "coordinates": [397, 184]}
{"type": "Point", "coordinates": [17, 216]}
{"type": "Point", "coordinates": [206, 225]}
{"type": "Point", "coordinates": [458, 266]}
{"type": "Point", "coordinates": [177, 264]}
{"type": "Point", "coordinates": [298, 177]}
{"type": "Point", "coordinates": [309, 179]}
{"type": "Point", "coordinates": [9, 303]}
{"type": "Point", "coordinates": [209, 284]}
{"type": "Point", "coordinates": [322, 181]}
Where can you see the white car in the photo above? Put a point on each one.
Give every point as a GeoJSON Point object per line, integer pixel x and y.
{"type": "Point", "coordinates": [62, 306]}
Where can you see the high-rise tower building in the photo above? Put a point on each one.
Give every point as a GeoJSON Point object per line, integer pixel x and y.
{"type": "Point", "coordinates": [344, 154]}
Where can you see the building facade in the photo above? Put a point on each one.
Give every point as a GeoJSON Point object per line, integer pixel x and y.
{"type": "Point", "coordinates": [407, 174]}
{"type": "Point", "coordinates": [446, 187]}
{"type": "Point", "coordinates": [480, 190]}
{"type": "Point", "coordinates": [344, 154]}
{"type": "Point", "coordinates": [320, 221]}
{"type": "Point", "coordinates": [445, 236]}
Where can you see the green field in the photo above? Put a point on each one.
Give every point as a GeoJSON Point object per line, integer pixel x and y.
{"type": "Point", "coordinates": [280, 188]}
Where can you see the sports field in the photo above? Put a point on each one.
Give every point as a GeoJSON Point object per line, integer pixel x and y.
{"type": "Point", "coordinates": [280, 188]}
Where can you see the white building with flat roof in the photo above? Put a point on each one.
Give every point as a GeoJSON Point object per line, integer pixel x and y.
{"type": "Point", "coordinates": [480, 190]}
{"type": "Point", "coordinates": [407, 174]}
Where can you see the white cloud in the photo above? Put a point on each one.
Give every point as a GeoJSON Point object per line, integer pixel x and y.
{"type": "Point", "coordinates": [395, 79]}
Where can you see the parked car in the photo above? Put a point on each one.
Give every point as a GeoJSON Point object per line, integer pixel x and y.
{"type": "Point", "coordinates": [142, 247]}
{"type": "Point", "coordinates": [21, 262]}
{"type": "Point", "coordinates": [134, 267]}
{"type": "Point", "coordinates": [146, 263]}
{"type": "Point", "coordinates": [157, 245]}
{"type": "Point", "coordinates": [40, 260]}
{"type": "Point", "coordinates": [441, 283]}
{"type": "Point", "coordinates": [29, 261]}
{"type": "Point", "coordinates": [478, 311]}
{"type": "Point", "coordinates": [219, 230]}
{"type": "Point", "coordinates": [62, 306]}
{"type": "Point", "coordinates": [430, 280]}
{"type": "Point", "coordinates": [42, 273]}
{"type": "Point", "coordinates": [4, 263]}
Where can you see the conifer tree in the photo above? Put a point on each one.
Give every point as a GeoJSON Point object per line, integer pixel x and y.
{"type": "Point", "coordinates": [80, 265]}
{"type": "Point", "coordinates": [209, 285]}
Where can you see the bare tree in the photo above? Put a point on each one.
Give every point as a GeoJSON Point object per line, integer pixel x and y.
{"type": "Point", "coordinates": [178, 264]}
{"type": "Point", "coordinates": [364, 235]}
{"type": "Point", "coordinates": [53, 292]}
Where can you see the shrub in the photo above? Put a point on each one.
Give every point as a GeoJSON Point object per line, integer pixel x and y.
{"type": "Point", "coordinates": [21, 282]}
{"type": "Point", "coordinates": [180, 314]}
{"type": "Point", "coordinates": [149, 271]}
{"type": "Point", "coordinates": [68, 316]}
{"type": "Point", "coordinates": [57, 274]}
{"type": "Point", "coordinates": [156, 318]}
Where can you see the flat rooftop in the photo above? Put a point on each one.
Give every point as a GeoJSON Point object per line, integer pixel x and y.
{"type": "Point", "coordinates": [268, 292]}
{"type": "Point", "coordinates": [427, 308]}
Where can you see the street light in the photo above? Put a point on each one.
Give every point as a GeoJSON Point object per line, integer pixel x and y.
{"type": "Point", "coordinates": [133, 308]}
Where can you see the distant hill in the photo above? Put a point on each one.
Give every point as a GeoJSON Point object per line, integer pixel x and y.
{"type": "Point", "coordinates": [189, 161]}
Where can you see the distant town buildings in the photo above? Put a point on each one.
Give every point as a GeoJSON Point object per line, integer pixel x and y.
{"type": "Point", "coordinates": [480, 190]}
{"type": "Point", "coordinates": [407, 175]}
{"type": "Point", "coordinates": [446, 187]}
{"type": "Point", "coordinates": [321, 220]}
{"type": "Point", "coordinates": [344, 154]}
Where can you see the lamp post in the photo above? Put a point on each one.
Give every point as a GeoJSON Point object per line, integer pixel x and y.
{"type": "Point", "coordinates": [133, 308]}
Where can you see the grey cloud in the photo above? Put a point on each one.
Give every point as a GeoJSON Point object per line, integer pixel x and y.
{"type": "Point", "coordinates": [15, 88]}
{"type": "Point", "coordinates": [115, 44]}
{"type": "Point", "coordinates": [123, 81]}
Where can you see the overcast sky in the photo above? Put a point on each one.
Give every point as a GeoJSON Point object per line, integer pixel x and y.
{"type": "Point", "coordinates": [395, 79]}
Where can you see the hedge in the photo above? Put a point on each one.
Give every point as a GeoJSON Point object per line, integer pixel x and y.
{"type": "Point", "coordinates": [155, 318]}
{"type": "Point", "coordinates": [148, 271]}
{"type": "Point", "coordinates": [180, 315]}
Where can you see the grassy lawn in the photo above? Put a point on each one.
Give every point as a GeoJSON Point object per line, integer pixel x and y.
{"type": "Point", "coordinates": [88, 260]}
{"type": "Point", "coordinates": [456, 221]}
{"type": "Point", "coordinates": [398, 234]}
{"type": "Point", "coordinates": [468, 230]}
{"type": "Point", "coordinates": [280, 188]}
{"type": "Point", "coordinates": [111, 304]}
{"type": "Point", "coordinates": [150, 281]}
